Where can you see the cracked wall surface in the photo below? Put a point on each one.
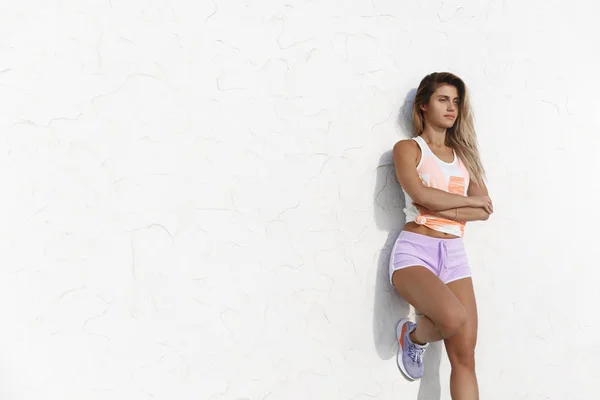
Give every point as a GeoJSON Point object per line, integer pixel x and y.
{"type": "Point", "coordinates": [199, 199]}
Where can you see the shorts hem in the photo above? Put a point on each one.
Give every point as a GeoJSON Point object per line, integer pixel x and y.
{"type": "Point", "coordinates": [408, 266]}
{"type": "Point", "coordinates": [458, 279]}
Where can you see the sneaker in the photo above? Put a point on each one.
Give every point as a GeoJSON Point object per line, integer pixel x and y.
{"type": "Point", "coordinates": [410, 355]}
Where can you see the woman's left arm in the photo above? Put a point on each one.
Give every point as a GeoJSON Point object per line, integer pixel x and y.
{"type": "Point", "coordinates": [465, 214]}
{"type": "Point", "coordinates": [475, 189]}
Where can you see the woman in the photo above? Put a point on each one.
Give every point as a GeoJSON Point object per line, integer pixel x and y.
{"type": "Point", "coordinates": [442, 178]}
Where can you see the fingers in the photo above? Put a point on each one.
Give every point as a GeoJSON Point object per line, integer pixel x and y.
{"type": "Point", "coordinates": [490, 206]}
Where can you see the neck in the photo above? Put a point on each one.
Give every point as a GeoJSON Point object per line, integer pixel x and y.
{"type": "Point", "coordinates": [434, 135]}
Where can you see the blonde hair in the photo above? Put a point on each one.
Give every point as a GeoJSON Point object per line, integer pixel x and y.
{"type": "Point", "coordinates": [462, 136]}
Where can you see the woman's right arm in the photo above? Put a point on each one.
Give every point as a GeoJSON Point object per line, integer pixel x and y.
{"type": "Point", "coordinates": [406, 153]}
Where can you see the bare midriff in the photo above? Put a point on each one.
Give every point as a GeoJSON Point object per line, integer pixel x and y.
{"type": "Point", "coordinates": [423, 230]}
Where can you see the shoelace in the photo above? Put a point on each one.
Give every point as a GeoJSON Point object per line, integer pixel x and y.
{"type": "Point", "coordinates": [416, 354]}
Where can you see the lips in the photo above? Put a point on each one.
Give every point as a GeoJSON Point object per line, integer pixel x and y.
{"type": "Point", "coordinates": [449, 116]}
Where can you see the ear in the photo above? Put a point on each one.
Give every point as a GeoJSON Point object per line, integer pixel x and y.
{"type": "Point", "coordinates": [423, 107]}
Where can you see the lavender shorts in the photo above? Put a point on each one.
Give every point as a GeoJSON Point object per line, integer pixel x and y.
{"type": "Point", "coordinates": [446, 258]}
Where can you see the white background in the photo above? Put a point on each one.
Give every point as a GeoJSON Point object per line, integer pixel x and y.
{"type": "Point", "coordinates": [198, 198]}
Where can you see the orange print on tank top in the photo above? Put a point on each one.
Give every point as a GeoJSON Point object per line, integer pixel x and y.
{"type": "Point", "coordinates": [456, 185]}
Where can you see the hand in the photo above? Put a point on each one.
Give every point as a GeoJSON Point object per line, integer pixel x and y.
{"type": "Point", "coordinates": [484, 202]}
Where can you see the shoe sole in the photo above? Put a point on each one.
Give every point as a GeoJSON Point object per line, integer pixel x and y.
{"type": "Point", "coordinates": [399, 354]}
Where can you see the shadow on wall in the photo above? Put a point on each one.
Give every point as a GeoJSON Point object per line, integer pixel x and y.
{"type": "Point", "coordinates": [389, 307]}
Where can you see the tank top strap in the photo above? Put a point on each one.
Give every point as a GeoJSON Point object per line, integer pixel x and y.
{"type": "Point", "coordinates": [424, 148]}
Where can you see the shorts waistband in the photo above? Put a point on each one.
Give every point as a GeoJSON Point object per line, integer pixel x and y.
{"type": "Point", "coordinates": [431, 241]}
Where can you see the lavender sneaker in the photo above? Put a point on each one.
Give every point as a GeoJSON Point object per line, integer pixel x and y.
{"type": "Point", "coordinates": [410, 355]}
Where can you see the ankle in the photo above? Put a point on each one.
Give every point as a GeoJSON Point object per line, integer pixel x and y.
{"type": "Point", "coordinates": [414, 339]}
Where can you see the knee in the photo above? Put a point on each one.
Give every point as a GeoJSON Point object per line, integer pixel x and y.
{"type": "Point", "coordinates": [453, 322]}
{"type": "Point", "coordinates": [463, 355]}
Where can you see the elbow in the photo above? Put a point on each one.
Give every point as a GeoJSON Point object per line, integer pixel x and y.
{"type": "Point", "coordinates": [485, 216]}
{"type": "Point", "coordinates": [420, 198]}
{"type": "Point", "coordinates": [423, 199]}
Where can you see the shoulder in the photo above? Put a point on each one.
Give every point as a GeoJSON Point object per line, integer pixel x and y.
{"type": "Point", "coordinates": [406, 145]}
{"type": "Point", "coordinates": [407, 149]}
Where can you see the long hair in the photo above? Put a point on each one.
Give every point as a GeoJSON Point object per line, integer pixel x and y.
{"type": "Point", "coordinates": [462, 136]}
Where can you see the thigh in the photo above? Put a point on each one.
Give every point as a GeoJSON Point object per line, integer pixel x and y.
{"type": "Point", "coordinates": [463, 344]}
{"type": "Point", "coordinates": [426, 293]}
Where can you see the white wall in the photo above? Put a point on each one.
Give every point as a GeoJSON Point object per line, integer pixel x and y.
{"type": "Point", "coordinates": [198, 199]}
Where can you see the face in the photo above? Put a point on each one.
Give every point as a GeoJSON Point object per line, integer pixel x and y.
{"type": "Point", "coordinates": [443, 107]}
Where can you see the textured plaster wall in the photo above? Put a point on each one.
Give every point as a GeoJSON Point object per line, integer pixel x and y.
{"type": "Point", "coordinates": [198, 200]}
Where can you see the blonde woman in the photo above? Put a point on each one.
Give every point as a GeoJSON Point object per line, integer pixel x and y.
{"type": "Point", "coordinates": [442, 178]}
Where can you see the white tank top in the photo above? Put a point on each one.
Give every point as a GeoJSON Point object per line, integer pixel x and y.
{"type": "Point", "coordinates": [451, 177]}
